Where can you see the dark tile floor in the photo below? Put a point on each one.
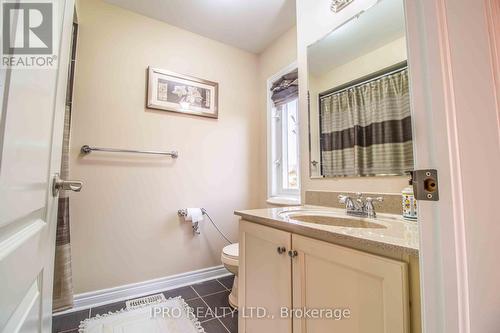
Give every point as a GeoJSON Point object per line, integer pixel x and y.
{"type": "Point", "coordinates": [208, 300]}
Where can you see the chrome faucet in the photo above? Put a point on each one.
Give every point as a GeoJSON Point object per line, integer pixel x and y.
{"type": "Point", "coordinates": [360, 207]}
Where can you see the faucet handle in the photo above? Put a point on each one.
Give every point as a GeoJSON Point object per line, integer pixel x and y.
{"type": "Point", "coordinates": [342, 198]}
{"type": "Point", "coordinates": [369, 208]}
{"type": "Point", "coordinates": [379, 199]}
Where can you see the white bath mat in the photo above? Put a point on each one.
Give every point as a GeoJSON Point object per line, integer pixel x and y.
{"type": "Point", "coordinates": [170, 316]}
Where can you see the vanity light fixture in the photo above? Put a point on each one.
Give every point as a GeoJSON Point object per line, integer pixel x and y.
{"type": "Point", "coordinates": [338, 5]}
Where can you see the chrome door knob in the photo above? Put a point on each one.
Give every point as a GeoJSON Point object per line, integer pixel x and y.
{"type": "Point", "coordinates": [67, 185]}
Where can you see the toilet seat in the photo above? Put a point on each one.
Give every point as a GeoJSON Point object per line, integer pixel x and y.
{"type": "Point", "coordinates": [231, 250]}
{"type": "Point", "coordinates": [230, 254]}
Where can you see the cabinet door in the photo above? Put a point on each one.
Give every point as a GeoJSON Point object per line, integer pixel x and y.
{"type": "Point", "coordinates": [265, 280]}
{"type": "Point", "coordinates": [373, 289]}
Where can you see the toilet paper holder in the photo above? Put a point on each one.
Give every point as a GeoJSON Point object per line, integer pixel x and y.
{"type": "Point", "coordinates": [195, 228]}
{"type": "Point", "coordinates": [183, 213]}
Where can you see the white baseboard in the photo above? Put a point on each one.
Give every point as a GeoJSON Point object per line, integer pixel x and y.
{"type": "Point", "coordinates": [125, 292]}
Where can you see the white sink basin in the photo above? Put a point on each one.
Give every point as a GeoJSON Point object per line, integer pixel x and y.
{"type": "Point", "coordinates": [330, 218]}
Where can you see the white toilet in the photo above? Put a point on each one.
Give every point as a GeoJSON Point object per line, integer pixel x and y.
{"type": "Point", "coordinates": [229, 258]}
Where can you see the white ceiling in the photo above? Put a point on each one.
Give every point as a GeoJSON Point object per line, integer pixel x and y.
{"type": "Point", "coordinates": [374, 28]}
{"type": "Point", "coordinates": [250, 25]}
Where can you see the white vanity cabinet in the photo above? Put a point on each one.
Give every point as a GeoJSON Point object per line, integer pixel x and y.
{"type": "Point", "coordinates": [264, 278]}
{"type": "Point", "coordinates": [364, 292]}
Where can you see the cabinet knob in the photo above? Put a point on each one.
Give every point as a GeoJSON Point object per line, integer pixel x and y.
{"type": "Point", "coordinates": [281, 249]}
{"type": "Point", "coordinates": [293, 253]}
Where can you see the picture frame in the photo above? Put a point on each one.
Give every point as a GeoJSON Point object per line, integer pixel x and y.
{"type": "Point", "coordinates": [170, 91]}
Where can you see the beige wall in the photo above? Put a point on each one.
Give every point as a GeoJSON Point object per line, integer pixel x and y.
{"type": "Point", "coordinates": [280, 54]}
{"type": "Point", "coordinates": [315, 20]}
{"type": "Point", "coordinates": [124, 223]}
{"type": "Point", "coordinates": [380, 58]}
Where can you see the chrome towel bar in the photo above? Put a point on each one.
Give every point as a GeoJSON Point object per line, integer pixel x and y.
{"type": "Point", "coordinates": [87, 150]}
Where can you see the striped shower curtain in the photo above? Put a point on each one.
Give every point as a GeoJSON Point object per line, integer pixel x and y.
{"type": "Point", "coordinates": [366, 129]}
{"type": "Point", "coordinates": [63, 285]}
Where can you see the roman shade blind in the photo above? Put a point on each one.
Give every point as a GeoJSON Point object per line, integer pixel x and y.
{"type": "Point", "coordinates": [285, 89]}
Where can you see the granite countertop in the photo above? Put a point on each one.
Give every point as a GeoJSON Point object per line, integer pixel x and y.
{"type": "Point", "coordinates": [392, 232]}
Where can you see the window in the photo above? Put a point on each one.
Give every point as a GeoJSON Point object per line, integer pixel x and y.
{"type": "Point", "coordinates": [283, 157]}
{"type": "Point", "coordinates": [286, 159]}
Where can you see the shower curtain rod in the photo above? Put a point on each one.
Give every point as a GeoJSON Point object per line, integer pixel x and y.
{"type": "Point", "coordinates": [399, 67]}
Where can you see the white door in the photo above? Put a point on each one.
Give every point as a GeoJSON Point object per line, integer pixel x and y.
{"type": "Point", "coordinates": [457, 131]}
{"type": "Point", "coordinates": [31, 129]}
{"type": "Point", "coordinates": [265, 279]}
{"type": "Point", "coordinates": [366, 293]}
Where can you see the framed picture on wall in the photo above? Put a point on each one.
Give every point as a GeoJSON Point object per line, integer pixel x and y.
{"type": "Point", "coordinates": [175, 92]}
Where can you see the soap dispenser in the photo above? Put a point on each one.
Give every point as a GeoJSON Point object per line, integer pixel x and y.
{"type": "Point", "coordinates": [409, 202]}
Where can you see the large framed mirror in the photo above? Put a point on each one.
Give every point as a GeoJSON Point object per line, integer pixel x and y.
{"type": "Point", "coordinates": [359, 97]}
